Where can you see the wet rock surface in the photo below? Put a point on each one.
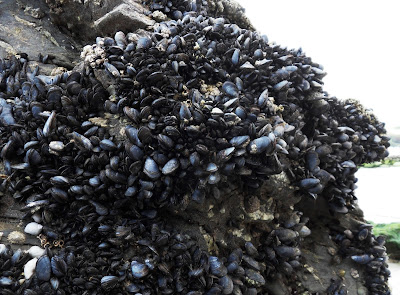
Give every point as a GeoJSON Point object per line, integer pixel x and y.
{"type": "Point", "coordinates": [188, 158]}
{"type": "Point", "coordinates": [27, 28]}
{"type": "Point", "coordinates": [89, 19]}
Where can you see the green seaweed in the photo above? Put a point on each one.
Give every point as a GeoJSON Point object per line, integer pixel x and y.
{"type": "Point", "coordinates": [392, 233]}
{"type": "Point", "coordinates": [385, 162]}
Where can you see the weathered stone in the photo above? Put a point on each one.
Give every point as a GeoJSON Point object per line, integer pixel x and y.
{"type": "Point", "coordinates": [24, 33]}
{"type": "Point", "coordinates": [125, 17]}
{"type": "Point", "coordinates": [232, 10]}
{"type": "Point", "coordinates": [78, 16]}
{"type": "Point", "coordinates": [34, 12]}
{"type": "Point", "coordinates": [277, 288]}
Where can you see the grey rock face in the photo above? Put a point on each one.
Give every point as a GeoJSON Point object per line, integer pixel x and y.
{"type": "Point", "coordinates": [126, 16]}
{"type": "Point", "coordinates": [99, 18]}
{"type": "Point", "coordinates": [27, 28]}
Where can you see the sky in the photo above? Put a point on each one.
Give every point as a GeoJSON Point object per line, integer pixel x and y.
{"type": "Point", "coordinates": [357, 42]}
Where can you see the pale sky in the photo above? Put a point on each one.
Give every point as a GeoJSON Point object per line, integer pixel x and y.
{"type": "Point", "coordinates": [357, 42]}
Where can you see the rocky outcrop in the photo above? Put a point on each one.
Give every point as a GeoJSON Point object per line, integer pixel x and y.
{"type": "Point", "coordinates": [89, 19]}
{"type": "Point", "coordinates": [62, 27]}
{"type": "Point", "coordinates": [27, 28]}
{"type": "Point", "coordinates": [231, 10]}
{"type": "Point", "coordinates": [58, 32]}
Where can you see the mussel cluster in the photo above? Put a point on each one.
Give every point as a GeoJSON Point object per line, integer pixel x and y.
{"type": "Point", "coordinates": [166, 119]}
{"type": "Point", "coordinates": [177, 9]}
{"type": "Point", "coordinates": [219, 101]}
{"type": "Point", "coordinates": [365, 249]}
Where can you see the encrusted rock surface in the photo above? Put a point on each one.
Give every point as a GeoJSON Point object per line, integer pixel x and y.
{"type": "Point", "coordinates": [30, 30]}
{"type": "Point", "coordinates": [124, 17]}
{"type": "Point", "coordinates": [231, 10]}
{"type": "Point", "coordinates": [88, 19]}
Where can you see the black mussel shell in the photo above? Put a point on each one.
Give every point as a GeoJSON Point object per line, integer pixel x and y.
{"type": "Point", "coordinates": [43, 268]}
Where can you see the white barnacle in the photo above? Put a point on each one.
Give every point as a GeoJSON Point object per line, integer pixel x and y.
{"type": "Point", "coordinates": [16, 237]}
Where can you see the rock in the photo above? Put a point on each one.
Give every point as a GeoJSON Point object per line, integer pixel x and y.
{"type": "Point", "coordinates": [78, 16]}
{"type": "Point", "coordinates": [277, 288]}
{"type": "Point", "coordinates": [231, 10]}
{"type": "Point", "coordinates": [362, 290]}
{"type": "Point", "coordinates": [89, 19]}
{"type": "Point", "coordinates": [123, 17]}
{"type": "Point", "coordinates": [25, 33]}
{"type": "Point", "coordinates": [34, 12]}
